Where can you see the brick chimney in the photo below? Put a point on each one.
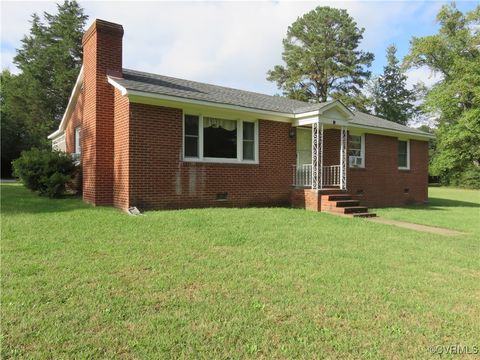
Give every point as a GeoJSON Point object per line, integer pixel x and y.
{"type": "Point", "coordinates": [102, 55]}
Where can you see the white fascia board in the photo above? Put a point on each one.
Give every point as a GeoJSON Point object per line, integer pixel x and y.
{"type": "Point", "coordinates": [301, 119]}
{"type": "Point", "coordinates": [336, 104]}
{"type": "Point", "coordinates": [56, 134]}
{"type": "Point", "coordinates": [71, 105]}
{"type": "Point", "coordinates": [116, 85]}
{"type": "Point", "coordinates": [364, 128]}
{"type": "Point", "coordinates": [307, 114]}
{"type": "Point", "coordinates": [305, 121]}
{"type": "Point", "coordinates": [340, 107]}
{"type": "Point", "coordinates": [391, 132]}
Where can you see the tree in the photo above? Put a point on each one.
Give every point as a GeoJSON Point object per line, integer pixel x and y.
{"type": "Point", "coordinates": [20, 129]}
{"type": "Point", "coordinates": [51, 55]}
{"type": "Point", "coordinates": [49, 60]}
{"type": "Point", "coordinates": [454, 53]}
{"type": "Point", "coordinates": [390, 97]}
{"type": "Point", "coordinates": [322, 59]}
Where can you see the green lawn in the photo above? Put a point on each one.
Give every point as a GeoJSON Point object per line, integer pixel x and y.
{"type": "Point", "coordinates": [83, 282]}
{"type": "Point", "coordinates": [457, 209]}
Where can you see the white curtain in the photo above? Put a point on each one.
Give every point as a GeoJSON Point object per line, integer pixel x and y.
{"type": "Point", "coordinates": [229, 125]}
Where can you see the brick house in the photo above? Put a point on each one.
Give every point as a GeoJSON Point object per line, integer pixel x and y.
{"type": "Point", "coordinates": [158, 142]}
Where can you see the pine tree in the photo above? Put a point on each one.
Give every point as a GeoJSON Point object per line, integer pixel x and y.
{"type": "Point", "coordinates": [322, 59]}
{"type": "Point", "coordinates": [51, 56]}
{"type": "Point", "coordinates": [49, 60]}
{"type": "Point", "coordinates": [390, 97]}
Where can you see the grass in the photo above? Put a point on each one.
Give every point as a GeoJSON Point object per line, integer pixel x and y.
{"type": "Point", "coordinates": [452, 208]}
{"type": "Point", "coordinates": [83, 282]}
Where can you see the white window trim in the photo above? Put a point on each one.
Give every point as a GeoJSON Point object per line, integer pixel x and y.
{"type": "Point", "coordinates": [362, 153]}
{"type": "Point", "coordinates": [77, 141]}
{"type": "Point", "coordinates": [238, 160]}
{"type": "Point", "coordinates": [408, 155]}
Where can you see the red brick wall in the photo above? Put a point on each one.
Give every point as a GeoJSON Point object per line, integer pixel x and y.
{"type": "Point", "coordinates": [305, 199]}
{"type": "Point", "coordinates": [102, 49]}
{"type": "Point", "coordinates": [74, 121]}
{"type": "Point", "coordinates": [380, 183]}
{"type": "Point", "coordinates": [156, 177]}
{"type": "Point", "coordinates": [159, 178]}
{"type": "Point", "coordinates": [383, 184]}
{"type": "Point", "coordinates": [121, 161]}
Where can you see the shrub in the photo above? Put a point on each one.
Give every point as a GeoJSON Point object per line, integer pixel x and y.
{"type": "Point", "coordinates": [469, 178]}
{"type": "Point", "coordinates": [44, 171]}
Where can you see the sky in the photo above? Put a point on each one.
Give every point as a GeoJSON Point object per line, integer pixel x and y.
{"type": "Point", "coordinates": [229, 43]}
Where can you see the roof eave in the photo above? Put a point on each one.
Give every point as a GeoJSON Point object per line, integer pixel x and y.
{"type": "Point", "coordinates": [334, 104]}
{"type": "Point", "coordinates": [131, 94]}
{"type": "Point", "coordinates": [70, 106]}
{"type": "Point", "coordinates": [393, 131]}
{"type": "Point", "coordinates": [55, 134]}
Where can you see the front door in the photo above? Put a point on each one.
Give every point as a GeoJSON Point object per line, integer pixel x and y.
{"type": "Point", "coordinates": [304, 146]}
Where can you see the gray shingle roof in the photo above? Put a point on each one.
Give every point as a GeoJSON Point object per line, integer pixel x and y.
{"type": "Point", "coordinates": [363, 119]}
{"type": "Point", "coordinates": [166, 85]}
{"type": "Point", "coordinates": [187, 89]}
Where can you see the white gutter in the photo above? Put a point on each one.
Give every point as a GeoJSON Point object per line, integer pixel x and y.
{"type": "Point", "coordinates": [145, 94]}
{"type": "Point", "coordinates": [116, 85]}
{"type": "Point", "coordinates": [132, 93]}
{"type": "Point", "coordinates": [383, 129]}
{"type": "Point", "coordinates": [55, 134]}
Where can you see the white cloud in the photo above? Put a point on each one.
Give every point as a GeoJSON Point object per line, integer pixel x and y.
{"type": "Point", "coordinates": [422, 74]}
{"type": "Point", "coordinates": [227, 43]}
{"type": "Point", "coordinates": [15, 16]}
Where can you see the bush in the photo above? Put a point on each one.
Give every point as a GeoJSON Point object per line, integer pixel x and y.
{"type": "Point", "coordinates": [45, 171]}
{"type": "Point", "coordinates": [469, 178]}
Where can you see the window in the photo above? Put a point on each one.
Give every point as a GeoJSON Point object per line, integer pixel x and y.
{"type": "Point", "coordinates": [248, 141]}
{"type": "Point", "coordinates": [356, 151]}
{"type": "Point", "coordinates": [191, 135]}
{"type": "Point", "coordinates": [219, 140]}
{"type": "Point", "coordinates": [403, 154]}
{"type": "Point", "coordinates": [78, 148]}
{"type": "Point", "coordinates": [77, 145]}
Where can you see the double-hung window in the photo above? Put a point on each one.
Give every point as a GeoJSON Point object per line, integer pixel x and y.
{"type": "Point", "coordinates": [191, 137]}
{"type": "Point", "coordinates": [403, 154]}
{"type": "Point", "coordinates": [356, 151]}
{"type": "Point", "coordinates": [219, 140]}
{"type": "Point", "coordinates": [77, 143]}
{"type": "Point", "coordinates": [248, 141]}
